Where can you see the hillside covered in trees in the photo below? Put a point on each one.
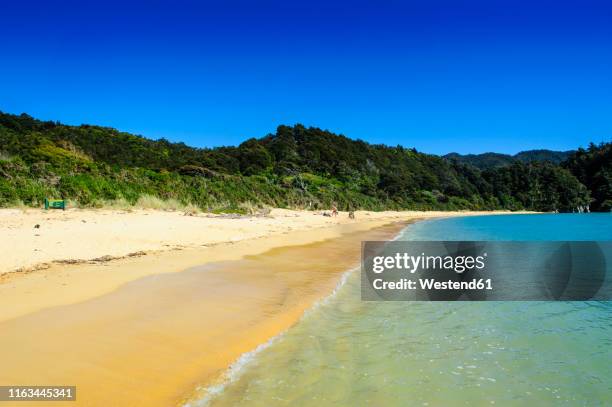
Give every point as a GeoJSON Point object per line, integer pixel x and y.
{"type": "Point", "coordinates": [295, 167]}
{"type": "Point", "coordinates": [495, 160]}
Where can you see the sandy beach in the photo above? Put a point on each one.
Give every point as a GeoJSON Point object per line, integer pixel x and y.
{"type": "Point", "coordinates": [79, 254]}
{"type": "Point", "coordinates": [149, 329]}
{"type": "Point", "coordinates": [35, 238]}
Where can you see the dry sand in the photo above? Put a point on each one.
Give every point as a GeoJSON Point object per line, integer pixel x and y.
{"type": "Point", "coordinates": [130, 332]}
{"type": "Point", "coordinates": [89, 234]}
{"type": "Point", "coordinates": [35, 263]}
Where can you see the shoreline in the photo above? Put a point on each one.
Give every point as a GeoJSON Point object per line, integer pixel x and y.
{"type": "Point", "coordinates": [139, 320]}
{"type": "Point", "coordinates": [160, 337]}
{"type": "Point", "coordinates": [43, 239]}
{"type": "Point", "coordinates": [204, 393]}
{"type": "Point", "coordinates": [67, 281]}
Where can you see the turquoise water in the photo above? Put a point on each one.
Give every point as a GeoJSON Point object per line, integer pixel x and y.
{"type": "Point", "coordinates": [347, 352]}
{"type": "Point", "coordinates": [592, 226]}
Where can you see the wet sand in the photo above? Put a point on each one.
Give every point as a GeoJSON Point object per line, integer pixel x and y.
{"type": "Point", "coordinates": [154, 340]}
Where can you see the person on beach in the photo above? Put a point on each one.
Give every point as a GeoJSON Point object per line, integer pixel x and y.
{"type": "Point", "coordinates": [334, 210]}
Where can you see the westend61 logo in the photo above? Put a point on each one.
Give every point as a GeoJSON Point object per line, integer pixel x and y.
{"type": "Point", "coordinates": [478, 271]}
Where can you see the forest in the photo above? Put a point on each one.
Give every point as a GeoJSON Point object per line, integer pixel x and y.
{"type": "Point", "coordinates": [495, 160]}
{"type": "Point", "coordinates": [296, 167]}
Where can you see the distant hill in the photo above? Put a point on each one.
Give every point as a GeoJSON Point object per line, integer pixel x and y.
{"type": "Point", "coordinates": [297, 166]}
{"type": "Point", "coordinates": [555, 157]}
{"type": "Point", "coordinates": [496, 160]}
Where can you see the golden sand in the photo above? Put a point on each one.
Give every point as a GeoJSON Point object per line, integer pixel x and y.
{"type": "Point", "coordinates": [204, 240]}
{"type": "Point", "coordinates": [33, 238]}
{"type": "Point", "coordinates": [154, 340]}
{"type": "Point", "coordinates": [148, 330]}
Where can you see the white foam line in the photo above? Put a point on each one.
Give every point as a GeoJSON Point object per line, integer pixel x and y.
{"type": "Point", "coordinates": [235, 370]}
{"type": "Point", "coordinates": [232, 374]}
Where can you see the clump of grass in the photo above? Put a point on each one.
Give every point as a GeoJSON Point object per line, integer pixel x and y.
{"type": "Point", "coordinates": [121, 204]}
{"type": "Point", "coordinates": [191, 210]}
{"type": "Point", "coordinates": [251, 208]}
{"type": "Point", "coordinates": [18, 204]}
{"type": "Point", "coordinates": [153, 202]}
{"type": "Point", "coordinates": [71, 203]}
{"type": "Point", "coordinates": [4, 156]}
{"type": "Point", "coordinates": [147, 201]}
{"type": "Point", "coordinates": [226, 207]}
{"type": "Point", "coordinates": [248, 207]}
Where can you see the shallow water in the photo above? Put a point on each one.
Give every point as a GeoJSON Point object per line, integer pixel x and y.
{"type": "Point", "coordinates": [352, 353]}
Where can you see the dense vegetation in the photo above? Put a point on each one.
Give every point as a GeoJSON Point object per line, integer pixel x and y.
{"type": "Point", "coordinates": [593, 168]}
{"type": "Point", "coordinates": [487, 161]}
{"type": "Point", "coordinates": [295, 167]}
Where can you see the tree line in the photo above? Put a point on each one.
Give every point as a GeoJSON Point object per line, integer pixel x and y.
{"type": "Point", "coordinates": [294, 167]}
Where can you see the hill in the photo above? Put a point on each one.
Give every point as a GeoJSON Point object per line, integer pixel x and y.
{"type": "Point", "coordinates": [295, 167]}
{"type": "Point", "coordinates": [495, 160]}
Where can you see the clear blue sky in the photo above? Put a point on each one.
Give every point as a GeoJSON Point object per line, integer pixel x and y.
{"type": "Point", "coordinates": [441, 76]}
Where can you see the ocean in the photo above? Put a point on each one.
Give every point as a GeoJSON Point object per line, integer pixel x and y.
{"type": "Point", "coordinates": [348, 352]}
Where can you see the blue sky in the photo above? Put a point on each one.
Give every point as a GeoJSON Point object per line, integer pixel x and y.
{"type": "Point", "coordinates": [441, 76]}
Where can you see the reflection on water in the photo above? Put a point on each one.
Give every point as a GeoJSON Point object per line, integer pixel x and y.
{"type": "Point", "coordinates": [353, 353]}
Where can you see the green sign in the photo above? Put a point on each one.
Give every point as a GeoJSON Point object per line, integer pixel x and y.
{"type": "Point", "coordinates": [55, 204]}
